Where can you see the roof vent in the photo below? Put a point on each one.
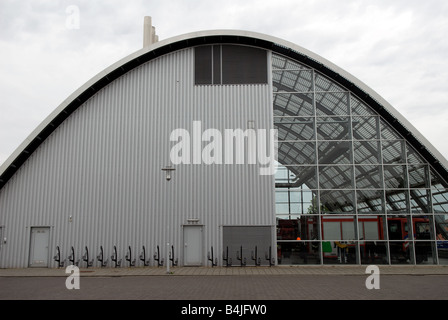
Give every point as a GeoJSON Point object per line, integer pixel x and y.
{"type": "Point", "coordinates": [149, 33]}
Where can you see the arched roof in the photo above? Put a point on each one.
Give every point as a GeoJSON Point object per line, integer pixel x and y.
{"type": "Point", "coordinates": [285, 48]}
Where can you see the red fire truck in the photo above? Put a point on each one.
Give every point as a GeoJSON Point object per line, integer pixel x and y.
{"type": "Point", "coordinates": [337, 229]}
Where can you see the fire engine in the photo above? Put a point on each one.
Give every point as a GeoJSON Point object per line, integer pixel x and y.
{"type": "Point", "coordinates": [338, 233]}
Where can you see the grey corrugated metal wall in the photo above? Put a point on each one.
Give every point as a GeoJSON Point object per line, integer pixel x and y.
{"type": "Point", "coordinates": [97, 180]}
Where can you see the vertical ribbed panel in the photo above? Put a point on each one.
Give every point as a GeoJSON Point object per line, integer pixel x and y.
{"type": "Point", "coordinates": [102, 167]}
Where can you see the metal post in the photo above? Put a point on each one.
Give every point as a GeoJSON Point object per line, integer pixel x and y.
{"type": "Point", "coordinates": [167, 257]}
{"type": "Point", "coordinates": [168, 170]}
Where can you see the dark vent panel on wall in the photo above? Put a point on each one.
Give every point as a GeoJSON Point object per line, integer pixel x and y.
{"type": "Point", "coordinates": [230, 64]}
{"type": "Point", "coordinates": [203, 65]}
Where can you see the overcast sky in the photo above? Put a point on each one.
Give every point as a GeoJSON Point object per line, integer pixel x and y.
{"type": "Point", "coordinates": [399, 48]}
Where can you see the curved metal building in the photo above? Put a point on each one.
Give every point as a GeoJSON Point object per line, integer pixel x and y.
{"type": "Point", "coordinates": [356, 183]}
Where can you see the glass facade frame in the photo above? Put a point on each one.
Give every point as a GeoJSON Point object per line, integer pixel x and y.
{"type": "Point", "coordinates": [349, 188]}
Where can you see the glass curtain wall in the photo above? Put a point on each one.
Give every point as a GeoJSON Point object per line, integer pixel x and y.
{"type": "Point", "coordinates": [349, 188]}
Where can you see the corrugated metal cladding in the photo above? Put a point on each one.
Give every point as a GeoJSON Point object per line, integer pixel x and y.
{"type": "Point", "coordinates": [97, 180]}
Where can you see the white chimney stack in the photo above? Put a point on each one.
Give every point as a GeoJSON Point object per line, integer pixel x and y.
{"type": "Point", "coordinates": [149, 33]}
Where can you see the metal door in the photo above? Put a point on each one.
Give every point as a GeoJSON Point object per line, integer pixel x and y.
{"type": "Point", "coordinates": [193, 245]}
{"type": "Point", "coordinates": [242, 242]}
{"type": "Point", "coordinates": [40, 237]}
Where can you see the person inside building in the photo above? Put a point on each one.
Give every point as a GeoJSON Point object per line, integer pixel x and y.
{"type": "Point", "coordinates": [342, 248]}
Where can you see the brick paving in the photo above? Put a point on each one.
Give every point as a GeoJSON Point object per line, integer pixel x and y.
{"type": "Point", "coordinates": [220, 271]}
{"type": "Point", "coordinates": [233, 284]}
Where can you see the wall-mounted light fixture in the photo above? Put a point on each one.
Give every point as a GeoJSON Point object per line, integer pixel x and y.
{"type": "Point", "coordinates": [168, 170]}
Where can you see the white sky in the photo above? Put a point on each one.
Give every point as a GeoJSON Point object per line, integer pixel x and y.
{"type": "Point", "coordinates": [399, 48]}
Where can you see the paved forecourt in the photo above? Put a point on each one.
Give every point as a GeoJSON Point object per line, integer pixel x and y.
{"type": "Point", "coordinates": [234, 284]}
{"type": "Point", "coordinates": [227, 271]}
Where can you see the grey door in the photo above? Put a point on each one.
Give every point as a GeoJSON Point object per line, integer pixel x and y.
{"type": "Point", "coordinates": [193, 245]}
{"type": "Point", "coordinates": [40, 237]}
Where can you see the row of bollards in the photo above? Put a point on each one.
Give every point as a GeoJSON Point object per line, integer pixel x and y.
{"type": "Point", "coordinates": [115, 260]}
{"type": "Point", "coordinates": [227, 260]}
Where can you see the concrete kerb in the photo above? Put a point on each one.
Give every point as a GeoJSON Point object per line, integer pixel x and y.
{"type": "Point", "coordinates": [226, 271]}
